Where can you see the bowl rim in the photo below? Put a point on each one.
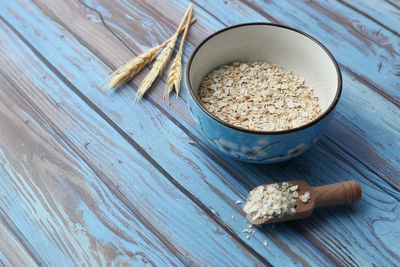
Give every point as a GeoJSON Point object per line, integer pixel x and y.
{"type": "Point", "coordinates": [315, 121]}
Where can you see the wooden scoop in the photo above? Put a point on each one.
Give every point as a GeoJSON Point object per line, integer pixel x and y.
{"type": "Point", "coordinates": [321, 196]}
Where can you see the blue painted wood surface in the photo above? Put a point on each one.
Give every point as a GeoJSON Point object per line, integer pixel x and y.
{"type": "Point", "coordinates": [12, 251]}
{"type": "Point", "coordinates": [115, 164]}
{"type": "Point", "coordinates": [148, 158]}
{"type": "Point", "coordinates": [52, 197]}
{"type": "Point", "coordinates": [384, 13]}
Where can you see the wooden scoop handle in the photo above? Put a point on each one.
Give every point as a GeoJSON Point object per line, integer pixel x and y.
{"type": "Point", "coordinates": [337, 194]}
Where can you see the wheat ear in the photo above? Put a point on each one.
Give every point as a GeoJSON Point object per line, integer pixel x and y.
{"type": "Point", "coordinates": [161, 61]}
{"type": "Point", "coordinates": [126, 72]}
{"type": "Point", "coordinates": [174, 76]}
{"type": "Point", "coordinates": [175, 71]}
{"type": "Point", "coordinates": [131, 68]}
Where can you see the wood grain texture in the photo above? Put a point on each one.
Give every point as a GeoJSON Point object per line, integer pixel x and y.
{"type": "Point", "coordinates": [354, 86]}
{"type": "Point", "coordinates": [204, 194]}
{"type": "Point", "coordinates": [241, 13]}
{"type": "Point", "coordinates": [304, 164]}
{"type": "Point", "coordinates": [336, 194]}
{"type": "Point", "coordinates": [61, 220]}
{"type": "Point", "coordinates": [357, 91]}
{"type": "Point", "coordinates": [3, 260]}
{"type": "Point", "coordinates": [351, 126]}
{"type": "Point", "coordinates": [361, 46]}
{"type": "Point", "coordinates": [381, 12]}
{"type": "Point", "coordinates": [354, 120]}
{"type": "Point", "coordinates": [12, 252]}
{"type": "Point", "coordinates": [224, 197]}
{"type": "Point", "coordinates": [51, 199]}
{"type": "Point", "coordinates": [122, 169]}
{"type": "Point", "coordinates": [394, 3]}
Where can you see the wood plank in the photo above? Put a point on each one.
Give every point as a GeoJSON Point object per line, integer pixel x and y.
{"type": "Point", "coordinates": [240, 13]}
{"type": "Point", "coordinates": [348, 111]}
{"type": "Point", "coordinates": [119, 166]}
{"type": "Point", "coordinates": [51, 199]}
{"type": "Point", "coordinates": [225, 195]}
{"type": "Point", "coordinates": [358, 23]}
{"type": "Point", "coordinates": [381, 12]}
{"type": "Point", "coordinates": [4, 261]}
{"type": "Point", "coordinates": [376, 145]}
{"type": "Point", "coordinates": [304, 164]}
{"type": "Point", "coordinates": [43, 199]}
{"type": "Point", "coordinates": [12, 253]}
{"type": "Point", "coordinates": [227, 214]}
{"type": "Point", "coordinates": [394, 3]}
{"type": "Point", "coordinates": [361, 46]}
{"type": "Point", "coordinates": [360, 91]}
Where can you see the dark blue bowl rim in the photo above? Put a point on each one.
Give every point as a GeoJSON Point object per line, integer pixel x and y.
{"type": "Point", "coordinates": [321, 117]}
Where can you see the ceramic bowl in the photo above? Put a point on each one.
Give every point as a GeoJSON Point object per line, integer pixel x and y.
{"type": "Point", "coordinates": [275, 44]}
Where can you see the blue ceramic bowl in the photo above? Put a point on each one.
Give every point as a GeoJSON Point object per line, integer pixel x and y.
{"type": "Point", "coordinates": [276, 44]}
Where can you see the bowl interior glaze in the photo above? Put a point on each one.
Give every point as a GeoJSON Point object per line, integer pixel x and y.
{"type": "Point", "coordinates": [275, 44]}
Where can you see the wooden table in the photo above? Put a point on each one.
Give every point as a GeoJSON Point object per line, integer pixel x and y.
{"type": "Point", "coordinates": [89, 178]}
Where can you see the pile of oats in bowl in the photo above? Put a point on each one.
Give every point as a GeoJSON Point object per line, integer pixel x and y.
{"type": "Point", "coordinates": [258, 96]}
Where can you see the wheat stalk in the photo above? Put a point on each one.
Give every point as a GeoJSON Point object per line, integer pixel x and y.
{"type": "Point", "coordinates": [175, 71]}
{"type": "Point", "coordinates": [156, 70]}
{"type": "Point", "coordinates": [161, 61]}
{"type": "Point", "coordinates": [127, 71]}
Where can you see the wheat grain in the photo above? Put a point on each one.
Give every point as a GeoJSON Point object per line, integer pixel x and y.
{"type": "Point", "coordinates": [175, 71]}
{"type": "Point", "coordinates": [130, 69]}
{"type": "Point", "coordinates": [161, 61]}
{"type": "Point", "coordinates": [174, 76]}
{"type": "Point", "coordinates": [156, 70]}
{"type": "Point", "coordinates": [127, 71]}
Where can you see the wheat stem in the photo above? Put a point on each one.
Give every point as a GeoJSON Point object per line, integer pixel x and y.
{"type": "Point", "coordinates": [186, 29]}
{"type": "Point", "coordinates": [126, 72]}
{"type": "Point", "coordinates": [161, 61]}
{"type": "Point", "coordinates": [175, 71]}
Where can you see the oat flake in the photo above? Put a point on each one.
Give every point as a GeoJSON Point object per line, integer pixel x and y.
{"type": "Point", "coordinates": [305, 198]}
{"type": "Point", "coordinates": [271, 201]}
{"type": "Point", "coordinates": [258, 96]}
